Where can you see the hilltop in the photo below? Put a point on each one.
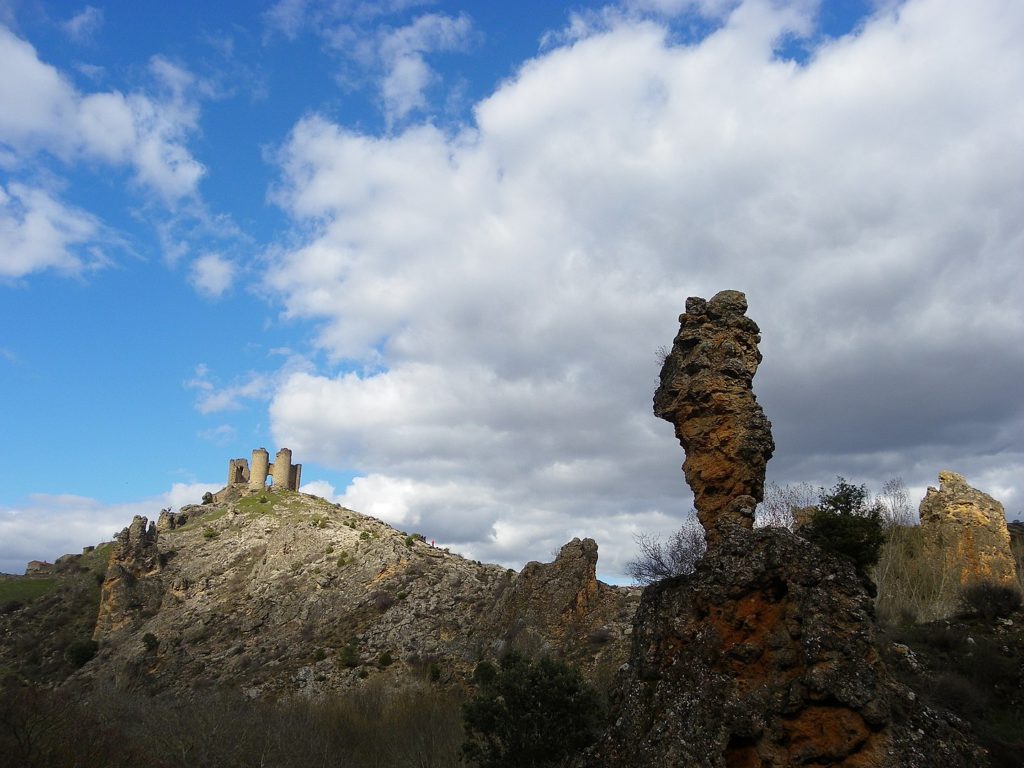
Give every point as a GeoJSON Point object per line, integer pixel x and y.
{"type": "Point", "coordinates": [280, 593]}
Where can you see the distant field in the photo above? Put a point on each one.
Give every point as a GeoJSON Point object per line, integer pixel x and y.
{"type": "Point", "coordinates": [24, 589]}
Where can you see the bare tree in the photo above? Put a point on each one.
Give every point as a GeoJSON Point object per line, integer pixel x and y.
{"type": "Point", "coordinates": [659, 559]}
{"type": "Point", "coordinates": [895, 502]}
{"type": "Point", "coordinates": [780, 501]}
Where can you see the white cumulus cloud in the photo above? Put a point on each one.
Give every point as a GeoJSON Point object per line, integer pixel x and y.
{"type": "Point", "coordinates": [212, 275]}
{"type": "Point", "coordinates": [39, 232]}
{"type": "Point", "coordinates": [502, 291]}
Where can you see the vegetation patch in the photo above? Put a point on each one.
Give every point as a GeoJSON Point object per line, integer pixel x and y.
{"type": "Point", "coordinates": [529, 713]}
{"type": "Point", "coordinates": [24, 590]}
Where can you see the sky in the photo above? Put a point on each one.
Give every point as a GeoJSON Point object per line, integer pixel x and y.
{"type": "Point", "coordinates": [435, 247]}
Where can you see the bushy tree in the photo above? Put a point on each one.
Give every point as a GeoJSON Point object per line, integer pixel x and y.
{"type": "Point", "coordinates": [528, 714]}
{"type": "Point", "coordinates": [845, 523]}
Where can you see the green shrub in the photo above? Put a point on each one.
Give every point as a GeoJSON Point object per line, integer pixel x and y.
{"type": "Point", "coordinates": [209, 533]}
{"type": "Point", "coordinates": [150, 641]}
{"type": "Point", "coordinates": [319, 654]}
{"type": "Point", "coordinates": [80, 651]}
{"type": "Point", "coordinates": [434, 672]}
{"type": "Point", "coordinates": [528, 714]}
{"type": "Point", "coordinates": [342, 559]}
{"type": "Point", "coordinates": [364, 536]}
{"type": "Point", "coordinates": [990, 600]}
{"type": "Point", "coordinates": [845, 524]}
{"type": "Point", "coordinates": [409, 540]}
{"type": "Point", "coordinates": [349, 655]}
{"type": "Point", "coordinates": [385, 659]}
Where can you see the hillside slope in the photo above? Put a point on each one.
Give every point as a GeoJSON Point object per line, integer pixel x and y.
{"type": "Point", "coordinates": [279, 593]}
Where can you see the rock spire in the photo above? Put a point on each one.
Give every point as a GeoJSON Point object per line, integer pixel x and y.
{"type": "Point", "coordinates": [706, 392]}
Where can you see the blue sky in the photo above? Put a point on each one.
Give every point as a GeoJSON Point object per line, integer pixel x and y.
{"type": "Point", "coordinates": [434, 247]}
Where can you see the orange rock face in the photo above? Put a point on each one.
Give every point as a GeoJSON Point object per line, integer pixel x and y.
{"type": "Point", "coordinates": [968, 530]}
{"type": "Point", "coordinates": [706, 392]}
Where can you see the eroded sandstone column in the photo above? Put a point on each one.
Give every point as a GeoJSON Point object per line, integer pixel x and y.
{"type": "Point", "coordinates": [706, 392]}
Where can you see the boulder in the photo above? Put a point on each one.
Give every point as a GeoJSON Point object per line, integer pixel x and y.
{"type": "Point", "coordinates": [765, 655]}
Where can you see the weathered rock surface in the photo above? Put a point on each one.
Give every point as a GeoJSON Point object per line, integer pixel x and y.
{"type": "Point", "coordinates": [968, 529]}
{"type": "Point", "coordinates": [561, 604]}
{"type": "Point", "coordinates": [130, 591]}
{"type": "Point", "coordinates": [1016, 530]}
{"type": "Point", "coordinates": [281, 593]}
{"type": "Point", "coordinates": [706, 393]}
{"type": "Point", "coordinates": [765, 657]}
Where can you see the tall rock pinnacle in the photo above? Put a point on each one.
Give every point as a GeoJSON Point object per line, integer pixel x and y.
{"type": "Point", "coordinates": [706, 392]}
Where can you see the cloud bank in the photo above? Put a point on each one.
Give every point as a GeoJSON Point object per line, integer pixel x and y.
{"type": "Point", "coordinates": [501, 290]}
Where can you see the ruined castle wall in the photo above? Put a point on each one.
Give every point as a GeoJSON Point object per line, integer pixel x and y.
{"type": "Point", "coordinates": [260, 466]}
{"type": "Point", "coordinates": [238, 472]}
{"type": "Point", "coordinates": [295, 477]}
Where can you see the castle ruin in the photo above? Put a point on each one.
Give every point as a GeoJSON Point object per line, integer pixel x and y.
{"type": "Point", "coordinates": [282, 472]}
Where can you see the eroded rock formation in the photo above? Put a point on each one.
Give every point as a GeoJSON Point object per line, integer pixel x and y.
{"type": "Point", "coordinates": [130, 593]}
{"type": "Point", "coordinates": [706, 392]}
{"type": "Point", "coordinates": [765, 655]}
{"type": "Point", "coordinates": [967, 528]}
{"type": "Point", "coordinates": [548, 605]}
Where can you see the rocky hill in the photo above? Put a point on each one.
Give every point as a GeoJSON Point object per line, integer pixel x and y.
{"type": "Point", "coordinates": [283, 593]}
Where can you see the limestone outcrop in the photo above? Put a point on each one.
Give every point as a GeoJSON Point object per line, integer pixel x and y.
{"type": "Point", "coordinates": [706, 392]}
{"type": "Point", "coordinates": [968, 529]}
{"type": "Point", "coordinates": [131, 591]}
{"type": "Point", "coordinates": [765, 656]}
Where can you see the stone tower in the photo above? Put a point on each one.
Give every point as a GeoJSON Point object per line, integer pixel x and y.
{"type": "Point", "coordinates": [260, 468]}
{"type": "Point", "coordinates": [281, 469]}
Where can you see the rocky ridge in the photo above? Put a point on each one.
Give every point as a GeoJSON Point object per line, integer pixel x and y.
{"type": "Point", "coordinates": [279, 593]}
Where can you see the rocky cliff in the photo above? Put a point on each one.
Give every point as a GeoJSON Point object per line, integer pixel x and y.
{"type": "Point", "coordinates": [968, 530]}
{"type": "Point", "coordinates": [132, 589]}
{"type": "Point", "coordinates": [278, 593]}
